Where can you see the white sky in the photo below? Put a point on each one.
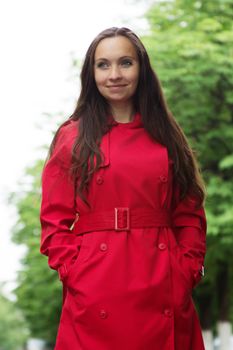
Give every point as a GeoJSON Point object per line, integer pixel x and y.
{"type": "Point", "coordinates": [38, 38]}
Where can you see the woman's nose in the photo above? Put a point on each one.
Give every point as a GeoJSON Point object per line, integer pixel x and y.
{"type": "Point", "coordinates": [115, 73]}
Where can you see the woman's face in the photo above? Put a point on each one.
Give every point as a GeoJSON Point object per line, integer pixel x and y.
{"type": "Point", "coordinates": [116, 69]}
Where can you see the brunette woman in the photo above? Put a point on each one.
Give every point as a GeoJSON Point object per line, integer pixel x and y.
{"type": "Point", "coordinates": [122, 209]}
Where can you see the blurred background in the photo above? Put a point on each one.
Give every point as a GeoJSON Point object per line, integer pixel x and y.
{"type": "Point", "coordinates": [42, 48]}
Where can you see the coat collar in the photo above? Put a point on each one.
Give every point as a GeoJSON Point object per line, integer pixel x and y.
{"type": "Point", "coordinates": [135, 123]}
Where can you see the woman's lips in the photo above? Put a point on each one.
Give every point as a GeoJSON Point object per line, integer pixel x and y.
{"type": "Point", "coordinates": [116, 87]}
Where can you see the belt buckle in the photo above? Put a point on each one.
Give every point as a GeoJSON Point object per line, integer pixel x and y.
{"type": "Point", "coordinates": [122, 219]}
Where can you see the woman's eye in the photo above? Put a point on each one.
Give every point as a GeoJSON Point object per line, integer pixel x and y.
{"type": "Point", "coordinates": [102, 65]}
{"type": "Point", "coordinates": [126, 63]}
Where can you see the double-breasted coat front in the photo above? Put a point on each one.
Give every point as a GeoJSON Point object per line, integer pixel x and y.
{"type": "Point", "coordinates": [129, 260]}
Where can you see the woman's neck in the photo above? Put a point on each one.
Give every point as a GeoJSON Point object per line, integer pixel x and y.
{"type": "Point", "coordinates": [122, 113]}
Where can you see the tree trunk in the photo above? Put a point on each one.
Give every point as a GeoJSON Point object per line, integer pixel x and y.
{"type": "Point", "coordinates": [223, 325]}
{"type": "Point", "coordinates": [224, 333]}
{"type": "Point", "coordinates": [223, 292]}
{"type": "Point", "coordinates": [208, 339]}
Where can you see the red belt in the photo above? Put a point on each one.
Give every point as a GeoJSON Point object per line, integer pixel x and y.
{"type": "Point", "coordinates": [120, 219]}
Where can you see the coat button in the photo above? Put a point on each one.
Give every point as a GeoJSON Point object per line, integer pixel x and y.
{"type": "Point", "coordinates": [162, 246]}
{"type": "Point", "coordinates": [103, 314]}
{"type": "Point", "coordinates": [103, 247]}
{"type": "Point", "coordinates": [167, 313]}
{"type": "Point", "coordinates": [163, 178]}
{"type": "Point", "coordinates": [99, 180]}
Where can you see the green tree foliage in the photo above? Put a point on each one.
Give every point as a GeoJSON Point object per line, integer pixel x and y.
{"type": "Point", "coordinates": [191, 47]}
{"type": "Point", "coordinates": [39, 290]}
{"type": "Point", "coordinates": [13, 329]}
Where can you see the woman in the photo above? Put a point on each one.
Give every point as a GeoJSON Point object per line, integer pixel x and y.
{"type": "Point", "coordinates": [122, 209]}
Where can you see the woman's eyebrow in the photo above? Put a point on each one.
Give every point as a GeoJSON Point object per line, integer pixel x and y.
{"type": "Point", "coordinates": [120, 58]}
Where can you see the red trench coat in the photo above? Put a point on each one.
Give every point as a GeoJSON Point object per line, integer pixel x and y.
{"type": "Point", "coordinates": [129, 261]}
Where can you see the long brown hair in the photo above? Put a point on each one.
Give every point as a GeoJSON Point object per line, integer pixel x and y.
{"type": "Point", "coordinates": [92, 111]}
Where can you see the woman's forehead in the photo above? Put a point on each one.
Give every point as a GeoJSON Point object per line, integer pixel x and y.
{"type": "Point", "coordinates": [118, 46]}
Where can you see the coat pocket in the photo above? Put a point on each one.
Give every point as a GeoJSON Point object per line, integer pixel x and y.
{"type": "Point", "coordinates": [181, 279]}
{"type": "Point", "coordinates": [76, 266]}
{"type": "Point", "coordinates": [181, 269]}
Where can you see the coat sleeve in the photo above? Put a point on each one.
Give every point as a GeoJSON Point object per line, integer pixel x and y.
{"type": "Point", "coordinates": [58, 210]}
{"type": "Point", "coordinates": [189, 226]}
